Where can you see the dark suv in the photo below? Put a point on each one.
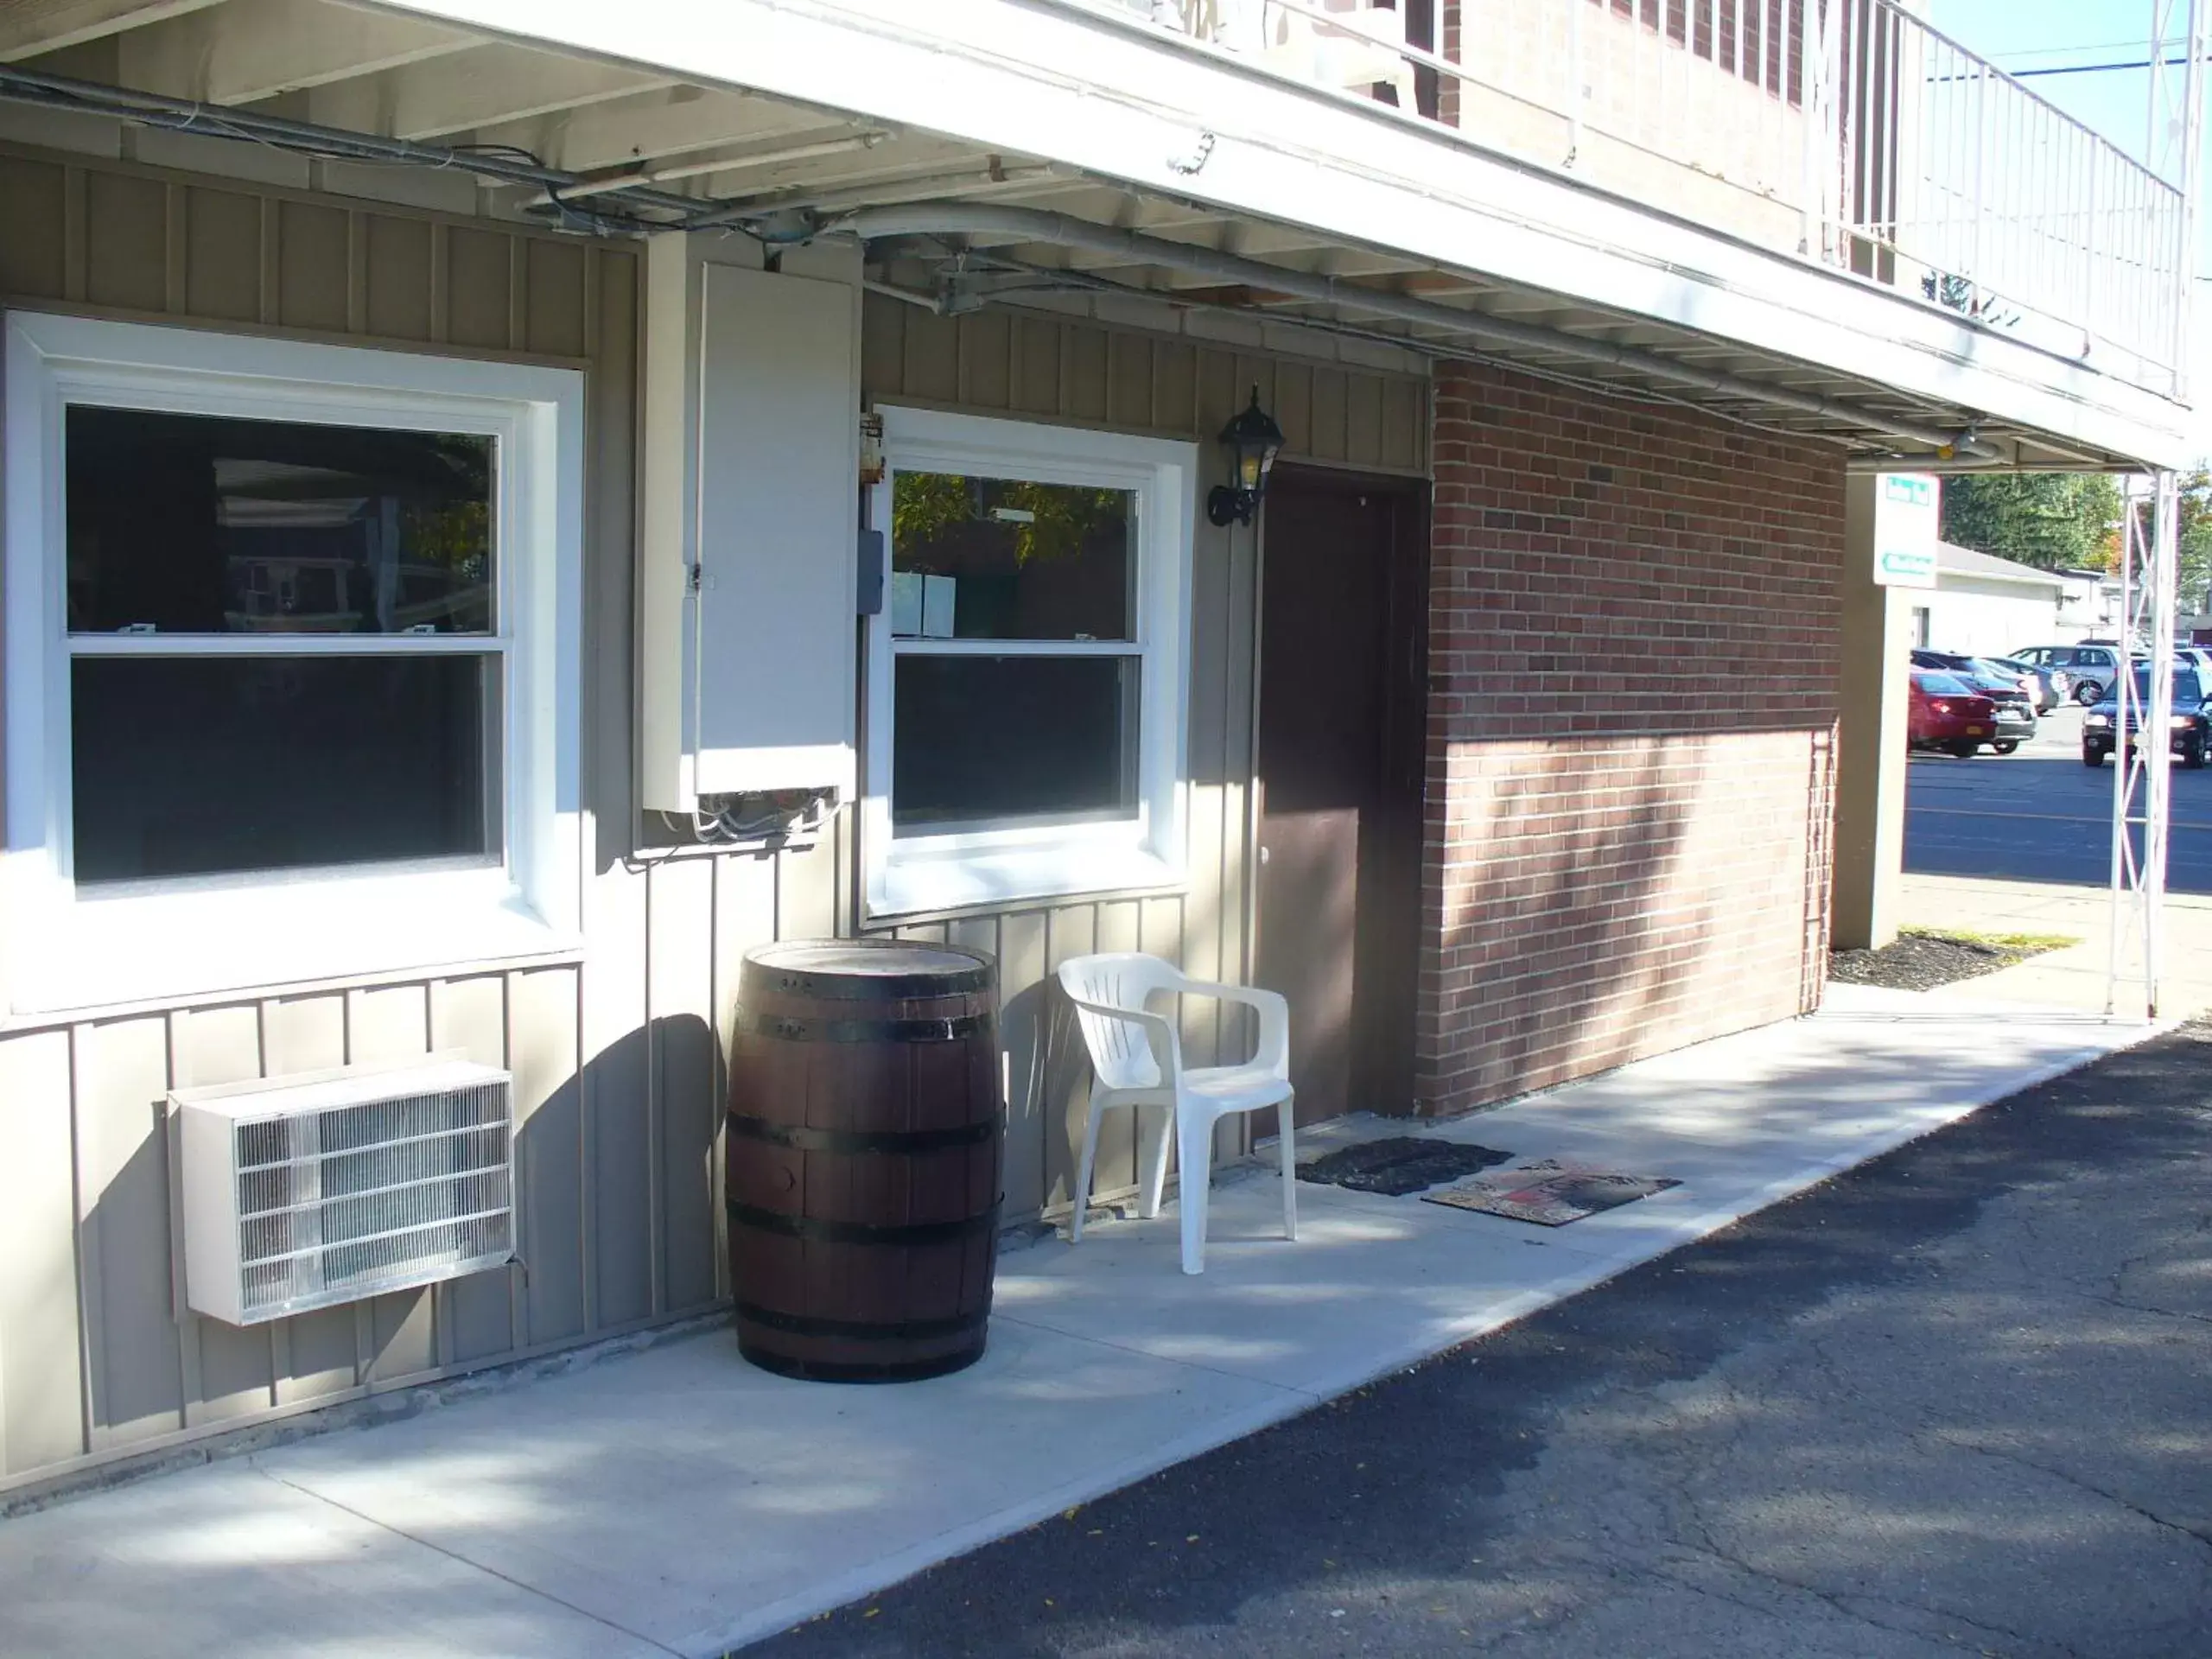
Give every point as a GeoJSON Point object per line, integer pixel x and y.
{"type": "Point", "coordinates": [2190, 731]}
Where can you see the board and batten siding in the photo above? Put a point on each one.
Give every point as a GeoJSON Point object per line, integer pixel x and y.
{"type": "Point", "coordinates": [617, 1053]}
{"type": "Point", "coordinates": [1075, 371]}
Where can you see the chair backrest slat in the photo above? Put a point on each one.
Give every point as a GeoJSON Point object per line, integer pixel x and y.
{"type": "Point", "coordinates": [1120, 1053]}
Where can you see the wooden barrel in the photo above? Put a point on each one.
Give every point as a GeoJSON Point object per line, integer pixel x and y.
{"type": "Point", "coordinates": [866, 1149]}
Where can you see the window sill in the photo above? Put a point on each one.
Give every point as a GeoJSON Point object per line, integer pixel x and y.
{"type": "Point", "coordinates": [193, 944]}
{"type": "Point", "coordinates": [972, 880]}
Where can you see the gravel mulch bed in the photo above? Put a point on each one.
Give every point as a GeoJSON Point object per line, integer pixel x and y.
{"type": "Point", "coordinates": [1921, 962]}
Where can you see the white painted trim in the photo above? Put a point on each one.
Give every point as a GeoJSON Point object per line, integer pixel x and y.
{"type": "Point", "coordinates": [914, 874]}
{"type": "Point", "coordinates": [1126, 103]}
{"type": "Point", "coordinates": [67, 949]}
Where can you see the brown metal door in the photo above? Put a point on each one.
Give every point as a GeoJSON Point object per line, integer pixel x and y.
{"type": "Point", "coordinates": [1341, 669]}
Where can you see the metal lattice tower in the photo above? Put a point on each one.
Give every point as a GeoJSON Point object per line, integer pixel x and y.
{"type": "Point", "coordinates": [2143, 775]}
{"type": "Point", "coordinates": [2177, 47]}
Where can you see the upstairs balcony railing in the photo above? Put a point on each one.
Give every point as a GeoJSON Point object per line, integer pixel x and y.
{"type": "Point", "coordinates": [1847, 130]}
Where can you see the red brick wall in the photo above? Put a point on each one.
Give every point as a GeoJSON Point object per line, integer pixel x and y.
{"type": "Point", "coordinates": [1633, 648]}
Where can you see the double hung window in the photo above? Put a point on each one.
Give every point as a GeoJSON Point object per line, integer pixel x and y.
{"type": "Point", "coordinates": [291, 660]}
{"type": "Point", "coordinates": [284, 646]}
{"type": "Point", "coordinates": [1027, 672]}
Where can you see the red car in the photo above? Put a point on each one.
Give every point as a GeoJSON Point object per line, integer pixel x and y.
{"type": "Point", "coordinates": [1942, 712]}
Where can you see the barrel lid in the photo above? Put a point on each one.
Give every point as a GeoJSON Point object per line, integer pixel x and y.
{"type": "Point", "coordinates": [876, 968]}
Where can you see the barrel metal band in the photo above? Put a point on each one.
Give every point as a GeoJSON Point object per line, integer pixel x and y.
{"type": "Point", "coordinates": [892, 1141]}
{"type": "Point", "coordinates": [801, 1324]}
{"type": "Point", "coordinates": [863, 1232]}
{"type": "Point", "coordinates": [790, 1028]}
{"type": "Point", "coordinates": [881, 987]}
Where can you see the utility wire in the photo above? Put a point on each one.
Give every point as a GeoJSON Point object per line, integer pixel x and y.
{"type": "Point", "coordinates": [2098, 68]}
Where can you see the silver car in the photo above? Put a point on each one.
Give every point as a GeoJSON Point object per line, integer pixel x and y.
{"type": "Point", "coordinates": [2091, 668]}
{"type": "Point", "coordinates": [2052, 684]}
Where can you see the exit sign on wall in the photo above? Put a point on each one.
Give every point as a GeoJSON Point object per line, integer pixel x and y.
{"type": "Point", "coordinates": [1905, 531]}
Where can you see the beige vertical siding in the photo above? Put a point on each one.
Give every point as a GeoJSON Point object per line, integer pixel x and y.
{"type": "Point", "coordinates": [1079, 372]}
{"type": "Point", "coordinates": [616, 1056]}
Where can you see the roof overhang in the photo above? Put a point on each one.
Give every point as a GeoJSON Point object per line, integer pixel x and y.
{"type": "Point", "coordinates": [787, 113]}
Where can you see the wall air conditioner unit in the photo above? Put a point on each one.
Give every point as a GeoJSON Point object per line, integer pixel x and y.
{"type": "Point", "coordinates": [299, 1193]}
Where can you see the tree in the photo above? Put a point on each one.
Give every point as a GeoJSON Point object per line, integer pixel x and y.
{"type": "Point", "coordinates": [2054, 521]}
{"type": "Point", "coordinates": [2193, 537]}
{"type": "Point", "coordinates": [2195, 524]}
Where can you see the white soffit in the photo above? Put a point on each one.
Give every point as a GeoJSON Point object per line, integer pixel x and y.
{"type": "Point", "coordinates": [1122, 103]}
{"type": "Point", "coordinates": [818, 103]}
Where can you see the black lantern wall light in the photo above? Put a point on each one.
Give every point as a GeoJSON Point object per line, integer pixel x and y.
{"type": "Point", "coordinates": [1252, 439]}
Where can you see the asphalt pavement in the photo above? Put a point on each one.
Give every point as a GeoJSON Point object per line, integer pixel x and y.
{"type": "Point", "coordinates": [1953, 1402]}
{"type": "Point", "coordinates": [2039, 814]}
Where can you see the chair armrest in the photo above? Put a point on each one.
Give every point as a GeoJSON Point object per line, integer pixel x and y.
{"type": "Point", "coordinates": [1158, 1032]}
{"type": "Point", "coordinates": [1274, 1049]}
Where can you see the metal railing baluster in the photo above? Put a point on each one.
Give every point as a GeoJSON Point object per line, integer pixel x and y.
{"type": "Point", "coordinates": [1909, 159]}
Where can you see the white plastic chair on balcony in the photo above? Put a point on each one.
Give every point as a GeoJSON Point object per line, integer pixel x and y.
{"type": "Point", "coordinates": [1306, 47]}
{"type": "Point", "coordinates": [1138, 1062]}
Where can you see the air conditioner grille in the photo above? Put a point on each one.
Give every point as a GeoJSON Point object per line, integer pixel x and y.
{"type": "Point", "coordinates": [340, 1198]}
{"type": "Point", "coordinates": [394, 1210]}
{"type": "Point", "coordinates": [377, 1123]}
{"type": "Point", "coordinates": [349, 1271]}
{"type": "Point", "coordinates": [345, 1173]}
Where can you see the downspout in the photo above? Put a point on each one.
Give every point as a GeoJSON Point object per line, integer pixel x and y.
{"type": "Point", "coordinates": [1038, 225]}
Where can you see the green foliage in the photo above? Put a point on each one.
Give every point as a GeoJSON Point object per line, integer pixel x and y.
{"type": "Point", "coordinates": [2195, 519]}
{"type": "Point", "coordinates": [927, 506]}
{"type": "Point", "coordinates": [2053, 521]}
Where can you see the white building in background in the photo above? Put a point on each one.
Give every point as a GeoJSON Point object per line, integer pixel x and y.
{"type": "Point", "coordinates": [1983, 606]}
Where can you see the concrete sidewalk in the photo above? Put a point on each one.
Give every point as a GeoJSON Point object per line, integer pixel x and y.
{"type": "Point", "coordinates": [677, 1501]}
{"type": "Point", "coordinates": [2075, 977]}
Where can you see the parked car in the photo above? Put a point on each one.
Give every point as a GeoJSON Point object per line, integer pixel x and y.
{"type": "Point", "coordinates": [2015, 709]}
{"type": "Point", "coordinates": [2052, 683]}
{"type": "Point", "coordinates": [2093, 667]}
{"type": "Point", "coordinates": [2190, 729]}
{"type": "Point", "coordinates": [1943, 712]}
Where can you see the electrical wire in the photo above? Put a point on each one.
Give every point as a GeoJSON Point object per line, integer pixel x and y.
{"type": "Point", "coordinates": [2098, 68]}
{"type": "Point", "coordinates": [630, 210]}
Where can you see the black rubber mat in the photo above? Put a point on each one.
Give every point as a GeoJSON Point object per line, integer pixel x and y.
{"type": "Point", "coordinates": [1400, 1165]}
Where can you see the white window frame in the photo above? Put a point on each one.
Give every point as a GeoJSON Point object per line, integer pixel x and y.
{"type": "Point", "coordinates": [145, 941]}
{"type": "Point", "coordinates": [910, 874]}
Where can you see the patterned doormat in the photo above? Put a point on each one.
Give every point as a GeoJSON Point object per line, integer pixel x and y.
{"type": "Point", "coordinates": [1548, 1193]}
{"type": "Point", "coordinates": [1400, 1165]}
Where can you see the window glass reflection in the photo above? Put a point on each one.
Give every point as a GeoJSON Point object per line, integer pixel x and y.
{"type": "Point", "coordinates": [989, 740]}
{"type": "Point", "coordinates": [190, 524]}
{"type": "Point", "coordinates": [995, 558]}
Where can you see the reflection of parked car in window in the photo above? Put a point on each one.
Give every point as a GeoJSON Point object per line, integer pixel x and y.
{"type": "Point", "coordinates": [1943, 712]}
{"type": "Point", "coordinates": [2051, 684]}
{"type": "Point", "coordinates": [2014, 705]}
{"type": "Point", "coordinates": [2190, 729]}
{"type": "Point", "coordinates": [2093, 667]}
{"type": "Point", "coordinates": [323, 550]}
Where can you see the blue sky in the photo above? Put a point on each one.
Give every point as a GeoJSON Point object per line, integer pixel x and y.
{"type": "Point", "coordinates": [2016, 35]}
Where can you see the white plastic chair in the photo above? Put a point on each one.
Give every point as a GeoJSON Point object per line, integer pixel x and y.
{"type": "Point", "coordinates": [1138, 1062]}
